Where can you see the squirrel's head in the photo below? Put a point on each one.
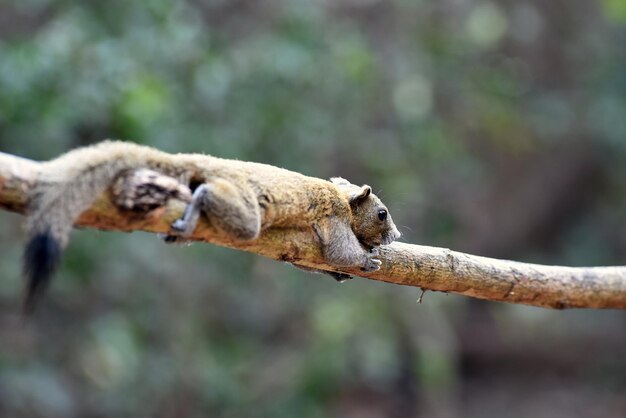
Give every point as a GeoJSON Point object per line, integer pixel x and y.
{"type": "Point", "coordinates": [371, 221]}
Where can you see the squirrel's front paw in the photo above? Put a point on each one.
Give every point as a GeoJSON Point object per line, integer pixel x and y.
{"type": "Point", "coordinates": [371, 263]}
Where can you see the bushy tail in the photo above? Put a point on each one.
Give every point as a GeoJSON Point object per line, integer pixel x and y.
{"type": "Point", "coordinates": [41, 259]}
{"type": "Point", "coordinates": [67, 187]}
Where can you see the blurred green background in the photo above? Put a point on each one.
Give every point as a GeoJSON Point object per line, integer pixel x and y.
{"type": "Point", "coordinates": [496, 128]}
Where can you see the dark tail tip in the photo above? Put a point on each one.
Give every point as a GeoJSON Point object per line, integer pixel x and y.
{"type": "Point", "coordinates": [41, 259]}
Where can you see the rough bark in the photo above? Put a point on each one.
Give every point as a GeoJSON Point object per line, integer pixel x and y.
{"type": "Point", "coordinates": [143, 200]}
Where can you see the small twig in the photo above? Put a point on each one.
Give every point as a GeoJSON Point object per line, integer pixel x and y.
{"type": "Point", "coordinates": [420, 298]}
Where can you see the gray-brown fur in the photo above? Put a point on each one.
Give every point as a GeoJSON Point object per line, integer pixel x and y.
{"type": "Point", "coordinates": [367, 210]}
{"type": "Point", "coordinates": [240, 198]}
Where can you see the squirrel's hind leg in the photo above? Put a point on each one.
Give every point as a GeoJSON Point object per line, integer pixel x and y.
{"type": "Point", "coordinates": [229, 209]}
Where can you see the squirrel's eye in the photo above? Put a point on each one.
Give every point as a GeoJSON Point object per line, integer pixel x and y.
{"type": "Point", "coordinates": [382, 214]}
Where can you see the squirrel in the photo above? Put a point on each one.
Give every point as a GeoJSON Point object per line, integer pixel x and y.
{"type": "Point", "coordinates": [239, 198]}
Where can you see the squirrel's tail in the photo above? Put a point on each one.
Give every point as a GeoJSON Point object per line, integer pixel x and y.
{"type": "Point", "coordinates": [66, 187]}
{"type": "Point", "coordinates": [41, 259]}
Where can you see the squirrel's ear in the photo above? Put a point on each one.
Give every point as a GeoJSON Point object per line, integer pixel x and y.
{"type": "Point", "coordinates": [360, 194]}
{"type": "Point", "coordinates": [355, 193]}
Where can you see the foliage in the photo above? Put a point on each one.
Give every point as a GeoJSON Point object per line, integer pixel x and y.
{"type": "Point", "coordinates": [491, 127]}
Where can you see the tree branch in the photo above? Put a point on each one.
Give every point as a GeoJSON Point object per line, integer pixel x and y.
{"type": "Point", "coordinates": [124, 209]}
